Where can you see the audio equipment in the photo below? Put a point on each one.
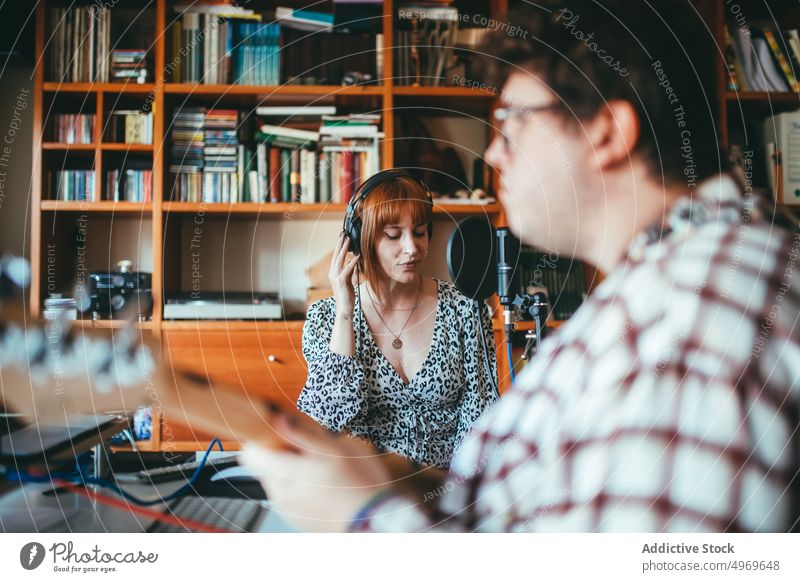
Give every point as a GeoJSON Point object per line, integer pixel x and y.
{"type": "Point", "coordinates": [483, 261]}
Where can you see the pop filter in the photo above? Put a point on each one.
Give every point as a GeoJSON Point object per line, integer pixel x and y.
{"type": "Point", "coordinates": [472, 258]}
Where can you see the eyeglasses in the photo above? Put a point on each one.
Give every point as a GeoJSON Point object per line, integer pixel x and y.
{"type": "Point", "coordinates": [503, 114]}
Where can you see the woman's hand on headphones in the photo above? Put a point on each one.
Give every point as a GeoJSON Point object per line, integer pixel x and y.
{"type": "Point", "coordinates": [341, 276]}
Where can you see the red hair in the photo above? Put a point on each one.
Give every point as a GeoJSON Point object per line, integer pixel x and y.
{"type": "Point", "coordinates": [386, 204]}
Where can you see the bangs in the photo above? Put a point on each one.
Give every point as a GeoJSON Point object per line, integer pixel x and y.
{"type": "Point", "coordinates": [392, 211]}
{"type": "Point", "coordinates": [393, 200]}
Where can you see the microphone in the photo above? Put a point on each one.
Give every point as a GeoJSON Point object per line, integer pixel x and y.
{"type": "Point", "coordinates": [504, 276]}
{"type": "Point", "coordinates": [504, 270]}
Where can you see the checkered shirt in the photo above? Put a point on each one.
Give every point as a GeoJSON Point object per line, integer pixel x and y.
{"type": "Point", "coordinates": [669, 402]}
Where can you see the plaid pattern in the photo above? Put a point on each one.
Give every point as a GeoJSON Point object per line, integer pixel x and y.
{"type": "Point", "coordinates": [669, 402]}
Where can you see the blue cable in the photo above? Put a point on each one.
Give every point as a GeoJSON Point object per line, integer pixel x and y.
{"type": "Point", "coordinates": [511, 363]}
{"type": "Point", "coordinates": [26, 478]}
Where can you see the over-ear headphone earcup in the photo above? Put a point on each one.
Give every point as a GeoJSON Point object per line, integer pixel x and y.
{"type": "Point", "coordinates": [354, 232]}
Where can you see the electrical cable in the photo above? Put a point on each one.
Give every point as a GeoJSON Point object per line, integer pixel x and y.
{"type": "Point", "coordinates": [482, 333]}
{"type": "Point", "coordinates": [28, 478]}
{"type": "Point", "coordinates": [510, 362]}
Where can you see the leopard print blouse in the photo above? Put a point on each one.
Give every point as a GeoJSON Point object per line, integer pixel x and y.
{"type": "Point", "coordinates": [364, 395]}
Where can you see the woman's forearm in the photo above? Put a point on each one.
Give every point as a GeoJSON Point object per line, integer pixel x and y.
{"type": "Point", "coordinates": [342, 336]}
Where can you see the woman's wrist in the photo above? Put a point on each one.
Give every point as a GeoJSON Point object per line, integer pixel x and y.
{"type": "Point", "coordinates": [344, 312]}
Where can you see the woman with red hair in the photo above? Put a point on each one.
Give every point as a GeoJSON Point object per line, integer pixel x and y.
{"type": "Point", "coordinates": [400, 359]}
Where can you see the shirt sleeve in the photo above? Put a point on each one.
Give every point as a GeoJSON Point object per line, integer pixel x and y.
{"type": "Point", "coordinates": [480, 390]}
{"type": "Point", "coordinates": [335, 391]}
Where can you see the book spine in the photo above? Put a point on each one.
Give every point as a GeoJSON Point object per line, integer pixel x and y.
{"type": "Point", "coordinates": [780, 60]}
{"type": "Point", "coordinates": [275, 184]}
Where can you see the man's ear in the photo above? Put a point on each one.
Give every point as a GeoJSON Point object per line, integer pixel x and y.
{"type": "Point", "coordinates": [613, 133]}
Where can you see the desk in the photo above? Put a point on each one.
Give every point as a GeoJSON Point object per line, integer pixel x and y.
{"type": "Point", "coordinates": [26, 508]}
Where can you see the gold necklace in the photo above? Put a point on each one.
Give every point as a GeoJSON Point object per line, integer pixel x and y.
{"type": "Point", "coordinates": [397, 343]}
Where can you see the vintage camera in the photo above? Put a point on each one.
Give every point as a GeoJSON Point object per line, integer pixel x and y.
{"type": "Point", "coordinates": [125, 293]}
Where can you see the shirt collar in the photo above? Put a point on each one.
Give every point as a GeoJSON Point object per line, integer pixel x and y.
{"type": "Point", "coordinates": [716, 199]}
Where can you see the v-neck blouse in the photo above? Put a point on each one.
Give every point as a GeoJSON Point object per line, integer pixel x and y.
{"type": "Point", "coordinates": [364, 395]}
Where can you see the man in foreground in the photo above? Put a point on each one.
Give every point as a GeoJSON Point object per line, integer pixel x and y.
{"type": "Point", "coordinates": [669, 402]}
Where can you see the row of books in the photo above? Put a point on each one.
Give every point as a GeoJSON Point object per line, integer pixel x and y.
{"type": "Point", "coordinates": [314, 166]}
{"type": "Point", "coordinates": [762, 58]}
{"type": "Point", "coordinates": [130, 126]}
{"type": "Point", "coordinates": [80, 43]}
{"type": "Point", "coordinates": [424, 44]}
{"type": "Point", "coordinates": [129, 185]}
{"type": "Point", "coordinates": [71, 185]}
{"type": "Point", "coordinates": [275, 163]}
{"type": "Point", "coordinates": [81, 48]}
{"type": "Point", "coordinates": [276, 173]}
{"type": "Point", "coordinates": [72, 128]}
{"type": "Point", "coordinates": [564, 280]}
{"type": "Point", "coordinates": [223, 44]}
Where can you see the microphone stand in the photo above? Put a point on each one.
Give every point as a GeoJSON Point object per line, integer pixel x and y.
{"type": "Point", "coordinates": [535, 305]}
{"type": "Point", "coordinates": [504, 273]}
{"type": "Point", "coordinates": [538, 308]}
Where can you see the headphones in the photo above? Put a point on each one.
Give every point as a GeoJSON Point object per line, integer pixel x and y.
{"type": "Point", "coordinates": [352, 222]}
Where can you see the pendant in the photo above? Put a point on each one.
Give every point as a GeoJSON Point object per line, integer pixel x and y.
{"type": "Point", "coordinates": [396, 343]}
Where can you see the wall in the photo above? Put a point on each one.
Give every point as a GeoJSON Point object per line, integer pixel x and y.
{"type": "Point", "coordinates": [16, 126]}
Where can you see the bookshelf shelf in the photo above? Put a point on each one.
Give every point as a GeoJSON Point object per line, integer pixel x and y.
{"type": "Point", "coordinates": [774, 96]}
{"type": "Point", "coordinates": [466, 209]}
{"type": "Point", "coordinates": [103, 206]}
{"type": "Point", "coordinates": [69, 147]}
{"type": "Point", "coordinates": [114, 324]}
{"type": "Point", "coordinates": [126, 147]}
{"type": "Point", "coordinates": [295, 325]}
{"type": "Point", "coordinates": [288, 90]}
{"type": "Point", "coordinates": [295, 208]}
{"type": "Point", "coordinates": [55, 87]}
{"type": "Point", "coordinates": [250, 208]}
{"type": "Point", "coordinates": [462, 92]}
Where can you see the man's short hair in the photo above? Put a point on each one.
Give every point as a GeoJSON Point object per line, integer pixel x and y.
{"type": "Point", "coordinates": [657, 55]}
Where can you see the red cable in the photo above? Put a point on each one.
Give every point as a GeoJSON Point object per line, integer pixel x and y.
{"type": "Point", "coordinates": [157, 515]}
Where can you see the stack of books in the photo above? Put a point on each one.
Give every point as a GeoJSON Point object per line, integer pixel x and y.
{"type": "Point", "coordinates": [129, 64]}
{"type": "Point", "coordinates": [130, 126]}
{"type": "Point", "coordinates": [79, 43]}
{"type": "Point", "coordinates": [129, 185]}
{"type": "Point", "coordinates": [349, 154]}
{"type": "Point", "coordinates": [424, 44]}
{"type": "Point", "coordinates": [73, 128]}
{"type": "Point", "coordinates": [186, 153]}
{"type": "Point", "coordinates": [760, 58]}
{"type": "Point", "coordinates": [220, 156]}
{"type": "Point", "coordinates": [71, 185]}
{"type": "Point", "coordinates": [224, 44]}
